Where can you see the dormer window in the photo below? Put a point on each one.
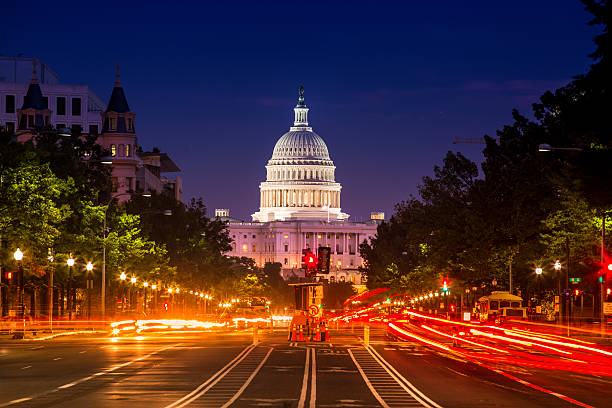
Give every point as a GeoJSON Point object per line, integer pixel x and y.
{"type": "Point", "coordinates": [128, 150]}
{"type": "Point", "coordinates": [130, 124]}
{"type": "Point", "coordinates": [113, 150]}
{"type": "Point", "coordinates": [113, 123]}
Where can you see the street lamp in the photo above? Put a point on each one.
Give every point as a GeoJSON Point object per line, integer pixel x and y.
{"type": "Point", "coordinates": [538, 271]}
{"type": "Point", "coordinates": [89, 268]}
{"type": "Point", "coordinates": [103, 285]}
{"type": "Point", "coordinates": [18, 255]}
{"type": "Point", "coordinates": [123, 276]}
{"type": "Point", "coordinates": [70, 263]}
{"type": "Point", "coordinates": [557, 265]}
{"type": "Point", "coordinates": [133, 279]}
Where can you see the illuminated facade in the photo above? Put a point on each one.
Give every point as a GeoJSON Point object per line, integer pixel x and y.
{"type": "Point", "coordinates": [300, 208]}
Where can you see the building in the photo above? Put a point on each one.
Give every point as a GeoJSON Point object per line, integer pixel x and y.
{"type": "Point", "coordinates": [68, 105]}
{"type": "Point", "coordinates": [300, 208]}
{"type": "Point", "coordinates": [44, 102]}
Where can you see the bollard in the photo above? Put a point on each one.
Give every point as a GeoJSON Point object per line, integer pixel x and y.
{"type": "Point", "coordinates": [366, 335]}
{"type": "Point", "coordinates": [255, 339]}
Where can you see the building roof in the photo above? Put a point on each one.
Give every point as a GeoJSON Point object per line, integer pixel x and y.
{"type": "Point", "coordinates": [300, 144]}
{"type": "Point", "coordinates": [118, 102]}
{"type": "Point", "coordinates": [34, 98]}
{"type": "Point", "coordinates": [166, 164]}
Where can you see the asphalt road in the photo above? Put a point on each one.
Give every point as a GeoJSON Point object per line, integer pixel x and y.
{"type": "Point", "coordinates": [224, 369]}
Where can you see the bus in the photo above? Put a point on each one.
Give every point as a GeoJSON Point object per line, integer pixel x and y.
{"type": "Point", "coordinates": [501, 305]}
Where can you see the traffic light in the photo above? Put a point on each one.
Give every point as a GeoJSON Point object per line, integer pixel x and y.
{"type": "Point", "coordinates": [577, 292]}
{"type": "Point", "coordinates": [324, 258]}
{"type": "Point", "coordinates": [452, 308]}
{"type": "Point", "coordinates": [309, 263]}
{"type": "Point", "coordinates": [445, 285]}
{"type": "Point", "coordinates": [608, 291]}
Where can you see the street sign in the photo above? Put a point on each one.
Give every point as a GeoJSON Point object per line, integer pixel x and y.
{"type": "Point", "coordinates": [607, 308]}
{"type": "Point", "coordinates": [575, 280]}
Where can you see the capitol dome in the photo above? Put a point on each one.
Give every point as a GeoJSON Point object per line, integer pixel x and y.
{"type": "Point", "coordinates": [300, 180]}
{"type": "Point", "coordinates": [300, 145]}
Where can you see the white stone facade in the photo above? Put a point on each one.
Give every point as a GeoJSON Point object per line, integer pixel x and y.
{"type": "Point", "coordinates": [300, 209]}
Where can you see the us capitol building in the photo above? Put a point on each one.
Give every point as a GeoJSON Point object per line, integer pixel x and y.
{"type": "Point", "coordinates": [300, 208]}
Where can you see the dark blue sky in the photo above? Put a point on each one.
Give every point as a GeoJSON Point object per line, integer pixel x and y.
{"type": "Point", "coordinates": [389, 86]}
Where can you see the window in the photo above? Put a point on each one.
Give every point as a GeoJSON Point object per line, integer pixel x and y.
{"type": "Point", "coordinates": [113, 150]}
{"type": "Point", "coordinates": [60, 105]}
{"type": "Point", "coordinates": [60, 125]}
{"type": "Point", "coordinates": [244, 247]}
{"type": "Point", "coordinates": [129, 182]}
{"type": "Point", "coordinates": [253, 248]}
{"type": "Point", "coordinates": [253, 236]}
{"type": "Point", "coordinates": [342, 279]}
{"type": "Point", "coordinates": [46, 100]}
{"type": "Point", "coordinates": [113, 123]}
{"type": "Point", "coordinates": [332, 279]}
{"type": "Point", "coordinates": [30, 120]}
{"type": "Point", "coordinates": [130, 124]}
{"type": "Point", "coordinates": [10, 127]}
{"type": "Point", "coordinates": [244, 237]}
{"type": "Point", "coordinates": [286, 248]}
{"type": "Point", "coordinates": [76, 106]}
{"type": "Point", "coordinates": [93, 129]}
{"type": "Point", "coordinates": [10, 104]}
{"type": "Point", "coordinates": [114, 184]}
{"type": "Point", "coordinates": [128, 150]}
{"type": "Point", "coordinates": [286, 261]}
{"type": "Point", "coordinates": [121, 150]}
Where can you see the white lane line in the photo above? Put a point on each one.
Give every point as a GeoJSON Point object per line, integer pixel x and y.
{"type": "Point", "coordinates": [26, 367]}
{"type": "Point", "coordinates": [17, 401]}
{"type": "Point", "coordinates": [57, 358]}
{"type": "Point", "coordinates": [84, 351]}
{"type": "Point", "coordinates": [313, 379]}
{"type": "Point", "coordinates": [388, 366]}
{"type": "Point", "coordinates": [367, 381]}
{"type": "Point", "coordinates": [248, 381]}
{"type": "Point", "coordinates": [73, 383]}
{"type": "Point", "coordinates": [305, 380]}
{"type": "Point", "coordinates": [187, 399]}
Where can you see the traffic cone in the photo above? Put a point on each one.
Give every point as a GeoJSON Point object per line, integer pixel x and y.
{"type": "Point", "coordinates": [325, 335]}
{"type": "Point", "coordinates": [301, 337]}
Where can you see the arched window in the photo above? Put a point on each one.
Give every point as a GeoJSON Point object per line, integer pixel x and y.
{"type": "Point", "coordinates": [128, 150]}
{"type": "Point", "coordinates": [113, 150]}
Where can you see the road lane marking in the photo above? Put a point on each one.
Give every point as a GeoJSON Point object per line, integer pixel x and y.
{"type": "Point", "coordinates": [402, 378]}
{"type": "Point", "coordinates": [305, 380]}
{"type": "Point", "coordinates": [214, 379]}
{"type": "Point", "coordinates": [389, 388]}
{"type": "Point", "coordinates": [17, 401]}
{"type": "Point", "coordinates": [57, 358]}
{"type": "Point", "coordinates": [313, 379]}
{"type": "Point", "coordinates": [253, 374]}
{"type": "Point", "coordinates": [26, 367]}
{"type": "Point", "coordinates": [81, 380]}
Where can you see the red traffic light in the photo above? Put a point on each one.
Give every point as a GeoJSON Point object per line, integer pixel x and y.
{"type": "Point", "coordinates": [452, 308]}
{"type": "Point", "coordinates": [608, 291]}
{"type": "Point", "coordinates": [577, 292]}
{"type": "Point", "coordinates": [610, 266]}
{"type": "Point", "coordinates": [9, 275]}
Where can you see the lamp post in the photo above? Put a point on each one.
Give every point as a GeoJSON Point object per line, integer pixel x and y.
{"type": "Point", "coordinates": [133, 281]}
{"type": "Point", "coordinates": [70, 263]}
{"type": "Point", "coordinates": [18, 255]}
{"type": "Point", "coordinates": [145, 285]}
{"type": "Point", "coordinates": [123, 277]}
{"type": "Point", "coordinates": [89, 269]}
{"type": "Point", "coordinates": [538, 272]}
{"type": "Point", "coordinates": [103, 285]}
